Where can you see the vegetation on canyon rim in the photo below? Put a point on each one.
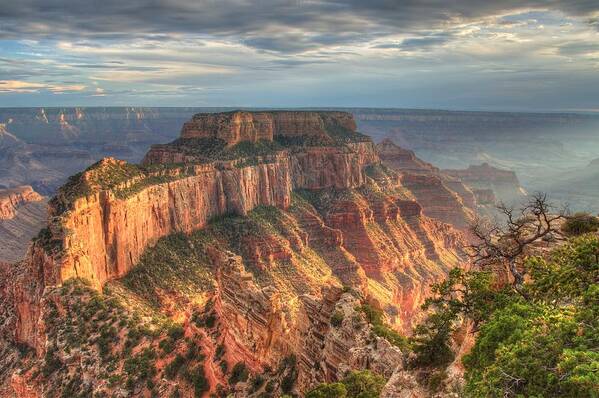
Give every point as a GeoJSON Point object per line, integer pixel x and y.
{"type": "Point", "coordinates": [357, 384]}
{"type": "Point", "coordinates": [536, 337]}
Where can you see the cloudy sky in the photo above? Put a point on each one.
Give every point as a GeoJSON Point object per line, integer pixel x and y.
{"type": "Point", "coordinates": [460, 54]}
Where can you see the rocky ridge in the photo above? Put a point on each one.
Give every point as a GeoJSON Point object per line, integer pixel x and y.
{"type": "Point", "coordinates": [442, 196]}
{"type": "Point", "coordinates": [12, 199]}
{"type": "Point", "coordinates": [237, 126]}
{"type": "Point", "coordinates": [503, 183]}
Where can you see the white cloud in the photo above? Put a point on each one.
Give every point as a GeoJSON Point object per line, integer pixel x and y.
{"type": "Point", "coordinates": [19, 86]}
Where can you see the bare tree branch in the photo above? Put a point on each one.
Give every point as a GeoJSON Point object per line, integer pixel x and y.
{"type": "Point", "coordinates": [507, 242]}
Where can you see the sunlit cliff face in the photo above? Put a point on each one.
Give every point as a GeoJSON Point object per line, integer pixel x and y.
{"type": "Point", "coordinates": [529, 55]}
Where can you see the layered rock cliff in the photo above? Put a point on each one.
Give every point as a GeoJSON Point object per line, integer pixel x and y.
{"type": "Point", "coordinates": [104, 218]}
{"type": "Point", "coordinates": [237, 126]}
{"type": "Point", "coordinates": [402, 159]}
{"type": "Point", "coordinates": [22, 215]}
{"type": "Point", "coordinates": [12, 199]}
{"type": "Point", "coordinates": [249, 246]}
{"type": "Point", "coordinates": [442, 197]}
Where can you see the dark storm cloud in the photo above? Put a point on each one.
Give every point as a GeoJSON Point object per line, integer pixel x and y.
{"type": "Point", "coordinates": [286, 26]}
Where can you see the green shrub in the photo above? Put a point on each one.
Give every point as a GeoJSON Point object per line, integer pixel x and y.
{"type": "Point", "coordinates": [375, 318]}
{"type": "Point", "coordinates": [140, 367]}
{"type": "Point", "coordinates": [363, 384]}
{"type": "Point", "coordinates": [175, 332]}
{"type": "Point", "coordinates": [357, 384]}
{"type": "Point", "coordinates": [337, 319]}
{"type": "Point", "coordinates": [198, 380]}
{"type": "Point", "coordinates": [174, 366]}
{"type": "Point", "coordinates": [220, 351]}
{"type": "Point", "coordinates": [332, 390]}
{"type": "Point", "coordinates": [580, 223]}
{"type": "Point", "coordinates": [238, 373]}
{"type": "Point", "coordinates": [52, 362]}
{"type": "Point", "coordinates": [289, 366]}
{"type": "Point", "coordinates": [167, 345]}
{"type": "Point", "coordinates": [257, 382]}
{"type": "Point", "coordinates": [435, 380]}
{"type": "Point", "coordinates": [223, 366]}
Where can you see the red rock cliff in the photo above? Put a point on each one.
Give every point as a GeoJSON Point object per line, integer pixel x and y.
{"type": "Point", "coordinates": [274, 278]}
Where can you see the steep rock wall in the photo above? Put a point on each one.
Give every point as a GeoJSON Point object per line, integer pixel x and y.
{"type": "Point", "coordinates": [442, 196]}
{"type": "Point", "coordinates": [437, 200]}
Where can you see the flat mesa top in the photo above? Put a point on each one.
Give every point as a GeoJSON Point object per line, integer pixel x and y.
{"type": "Point", "coordinates": [236, 126]}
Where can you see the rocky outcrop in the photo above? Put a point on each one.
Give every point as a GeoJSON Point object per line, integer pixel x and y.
{"type": "Point", "coordinates": [503, 183]}
{"type": "Point", "coordinates": [12, 199]}
{"type": "Point", "coordinates": [332, 350]}
{"type": "Point", "coordinates": [237, 126]}
{"type": "Point", "coordinates": [442, 197]}
{"type": "Point", "coordinates": [437, 200]}
{"type": "Point", "coordinates": [402, 159]}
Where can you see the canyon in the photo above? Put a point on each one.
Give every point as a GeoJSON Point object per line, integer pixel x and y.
{"type": "Point", "coordinates": [259, 244]}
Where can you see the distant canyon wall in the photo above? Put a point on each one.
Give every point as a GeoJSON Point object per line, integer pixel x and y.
{"type": "Point", "coordinates": [12, 199]}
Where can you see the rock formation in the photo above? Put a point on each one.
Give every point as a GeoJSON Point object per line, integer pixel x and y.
{"type": "Point", "coordinates": [12, 199]}
{"type": "Point", "coordinates": [22, 214]}
{"type": "Point", "coordinates": [402, 159]}
{"type": "Point", "coordinates": [253, 248]}
{"type": "Point", "coordinates": [238, 126]}
{"type": "Point", "coordinates": [440, 195]}
{"type": "Point", "coordinates": [503, 183]}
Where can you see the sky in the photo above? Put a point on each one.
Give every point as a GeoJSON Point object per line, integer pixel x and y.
{"type": "Point", "coordinates": [460, 54]}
